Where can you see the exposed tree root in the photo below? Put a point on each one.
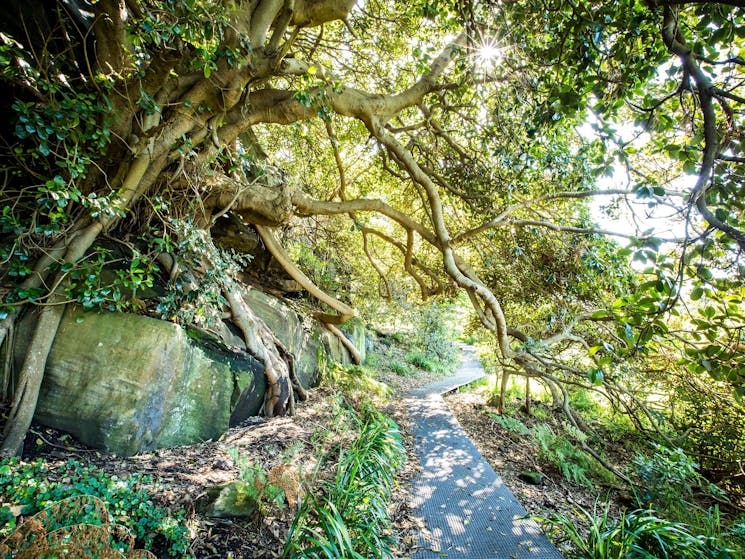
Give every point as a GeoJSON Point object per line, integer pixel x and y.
{"type": "Point", "coordinates": [328, 320]}
{"type": "Point", "coordinates": [264, 346]}
{"type": "Point", "coordinates": [356, 357]}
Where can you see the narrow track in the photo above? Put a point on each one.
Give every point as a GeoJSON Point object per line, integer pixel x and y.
{"type": "Point", "coordinates": [467, 510]}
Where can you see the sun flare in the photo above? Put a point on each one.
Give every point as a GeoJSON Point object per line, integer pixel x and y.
{"type": "Point", "coordinates": [488, 55]}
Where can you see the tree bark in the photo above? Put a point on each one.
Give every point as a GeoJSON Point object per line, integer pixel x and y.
{"type": "Point", "coordinates": [31, 375]}
{"type": "Point", "coordinates": [265, 347]}
{"type": "Point", "coordinates": [345, 311]}
{"type": "Point", "coordinates": [356, 357]}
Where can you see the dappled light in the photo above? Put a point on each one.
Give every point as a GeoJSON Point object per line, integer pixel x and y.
{"type": "Point", "coordinates": [213, 212]}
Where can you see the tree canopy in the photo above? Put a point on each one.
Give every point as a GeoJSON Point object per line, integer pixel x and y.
{"type": "Point", "coordinates": [421, 148]}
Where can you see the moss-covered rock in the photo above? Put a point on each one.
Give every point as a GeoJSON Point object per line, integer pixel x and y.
{"type": "Point", "coordinates": [127, 383]}
{"type": "Point", "coordinates": [236, 498]}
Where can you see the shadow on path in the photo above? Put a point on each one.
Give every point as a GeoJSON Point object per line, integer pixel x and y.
{"type": "Point", "coordinates": [468, 511]}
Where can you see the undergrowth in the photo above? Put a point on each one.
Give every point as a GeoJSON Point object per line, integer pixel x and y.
{"type": "Point", "coordinates": [346, 515]}
{"type": "Point", "coordinates": [639, 534]}
{"type": "Point", "coordinates": [29, 485]}
{"type": "Point", "coordinates": [675, 514]}
{"type": "Point", "coordinates": [357, 383]}
{"type": "Point", "coordinates": [79, 526]}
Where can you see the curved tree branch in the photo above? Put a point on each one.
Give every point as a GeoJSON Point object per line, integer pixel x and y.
{"type": "Point", "coordinates": [676, 44]}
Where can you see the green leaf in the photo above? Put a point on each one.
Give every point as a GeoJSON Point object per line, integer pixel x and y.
{"type": "Point", "coordinates": [595, 376]}
{"type": "Point", "coordinates": [697, 293]}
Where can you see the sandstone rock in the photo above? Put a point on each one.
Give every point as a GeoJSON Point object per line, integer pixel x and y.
{"type": "Point", "coordinates": [310, 343]}
{"type": "Point", "coordinates": [128, 383]}
{"type": "Point", "coordinates": [236, 498]}
{"type": "Point", "coordinates": [532, 478]}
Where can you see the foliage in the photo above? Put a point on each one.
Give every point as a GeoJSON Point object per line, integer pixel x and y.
{"type": "Point", "coordinates": [711, 418]}
{"type": "Point", "coordinates": [471, 172]}
{"type": "Point", "coordinates": [127, 500]}
{"type": "Point", "coordinates": [195, 294]}
{"type": "Point", "coordinates": [669, 478]}
{"type": "Point", "coordinates": [348, 516]}
{"type": "Point", "coordinates": [419, 359]}
{"type": "Point", "coordinates": [356, 382]}
{"type": "Point", "coordinates": [77, 526]}
{"type": "Point", "coordinates": [575, 464]}
{"type": "Point", "coordinates": [434, 338]}
{"type": "Point", "coordinates": [260, 490]}
{"type": "Point", "coordinates": [400, 368]}
{"type": "Point", "coordinates": [639, 534]}
{"type": "Point", "coordinates": [510, 424]}
{"type": "Point", "coordinates": [670, 482]}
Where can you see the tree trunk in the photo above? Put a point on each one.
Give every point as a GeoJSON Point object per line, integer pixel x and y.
{"type": "Point", "coordinates": [29, 382]}
{"type": "Point", "coordinates": [75, 247]}
{"type": "Point", "coordinates": [7, 363]}
{"type": "Point", "coordinates": [502, 391]}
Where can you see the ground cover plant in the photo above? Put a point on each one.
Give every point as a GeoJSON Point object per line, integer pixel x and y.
{"type": "Point", "coordinates": [125, 502]}
{"type": "Point", "coordinates": [664, 506]}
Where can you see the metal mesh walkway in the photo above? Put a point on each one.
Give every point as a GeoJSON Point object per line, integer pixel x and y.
{"type": "Point", "coordinates": [468, 511]}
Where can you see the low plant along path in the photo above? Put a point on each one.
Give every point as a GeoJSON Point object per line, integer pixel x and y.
{"type": "Point", "coordinates": [467, 510]}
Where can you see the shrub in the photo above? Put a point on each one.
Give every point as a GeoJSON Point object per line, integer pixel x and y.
{"type": "Point", "coordinates": [668, 480]}
{"type": "Point", "coordinates": [434, 332]}
{"type": "Point", "coordinates": [356, 382]}
{"type": "Point", "coordinates": [418, 359]}
{"type": "Point", "coordinates": [400, 368]}
{"type": "Point", "coordinates": [29, 485]}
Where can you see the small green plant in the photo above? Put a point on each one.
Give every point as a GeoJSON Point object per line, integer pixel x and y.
{"type": "Point", "coordinates": [372, 360]}
{"type": "Point", "coordinates": [400, 368]}
{"type": "Point", "coordinates": [259, 489]}
{"type": "Point", "coordinates": [583, 402]}
{"type": "Point", "coordinates": [470, 339]}
{"type": "Point", "coordinates": [510, 424]}
{"type": "Point", "coordinates": [30, 486]}
{"type": "Point", "coordinates": [348, 516]}
{"type": "Point", "coordinates": [574, 463]}
{"type": "Point", "coordinates": [397, 337]}
{"type": "Point", "coordinates": [418, 359]}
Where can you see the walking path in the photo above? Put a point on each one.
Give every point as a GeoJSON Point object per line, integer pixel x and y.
{"type": "Point", "coordinates": [468, 511]}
